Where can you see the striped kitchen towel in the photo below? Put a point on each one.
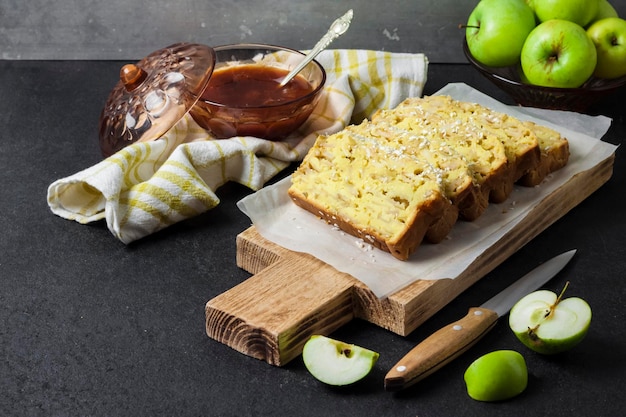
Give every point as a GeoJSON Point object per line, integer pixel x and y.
{"type": "Point", "coordinates": [148, 186]}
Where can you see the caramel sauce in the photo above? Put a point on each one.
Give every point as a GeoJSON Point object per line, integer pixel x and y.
{"type": "Point", "coordinates": [253, 86]}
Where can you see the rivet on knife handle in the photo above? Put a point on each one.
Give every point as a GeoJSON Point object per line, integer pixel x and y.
{"type": "Point", "coordinates": [440, 348]}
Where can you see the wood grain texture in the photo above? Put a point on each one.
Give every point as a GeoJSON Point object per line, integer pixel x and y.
{"type": "Point", "coordinates": [290, 297]}
{"type": "Point", "coordinates": [440, 348]}
{"type": "Point", "coordinates": [293, 295]}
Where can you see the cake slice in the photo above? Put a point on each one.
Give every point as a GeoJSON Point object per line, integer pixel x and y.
{"type": "Point", "coordinates": [371, 190]}
{"type": "Point", "coordinates": [438, 119]}
{"type": "Point", "coordinates": [554, 154]}
{"type": "Point", "coordinates": [453, 171]}
{"type": "Point", "coordinates": [520, 143]}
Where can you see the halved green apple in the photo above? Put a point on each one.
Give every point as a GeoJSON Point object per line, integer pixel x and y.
{"type": "Point", "coordinates": [496, 376]}
{"type": "Point", "coordinates": [548, 324]}
{"type": "Point", "coordinates": [337, 363]}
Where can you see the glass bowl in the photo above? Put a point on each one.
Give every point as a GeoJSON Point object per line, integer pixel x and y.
{"type": "Point", "coordinates": [573, 99]}
{"type": "Point", "coordinates": [243, 97]}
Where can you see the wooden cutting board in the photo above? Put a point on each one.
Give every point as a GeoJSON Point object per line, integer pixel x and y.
{"type": "Point", "coordinates": [293, 295]}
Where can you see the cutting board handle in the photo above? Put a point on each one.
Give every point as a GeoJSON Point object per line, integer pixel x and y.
{"type": "Point", "coordinates": [291, 297]}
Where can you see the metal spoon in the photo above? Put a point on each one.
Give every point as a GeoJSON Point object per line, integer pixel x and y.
{"type": "Point", "coordinates": [338, 28]}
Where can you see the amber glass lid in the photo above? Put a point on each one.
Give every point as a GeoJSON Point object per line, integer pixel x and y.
{"type": "Point", "coordinates": [154, 94]}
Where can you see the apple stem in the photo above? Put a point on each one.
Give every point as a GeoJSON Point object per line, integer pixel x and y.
{"type": "Point", "coordinates": [558, 300]}
{"type": "Point", "coordinates": [462, 26]}
{"type": "Point", "coordinates": [562, 293]}
{"type": "Point", "coordinates": [533, 330]}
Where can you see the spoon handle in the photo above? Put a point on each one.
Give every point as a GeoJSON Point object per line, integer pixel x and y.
{"type": "Point", "coordinates": [338, 28]}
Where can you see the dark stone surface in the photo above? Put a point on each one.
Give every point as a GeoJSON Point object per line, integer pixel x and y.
{"type": "Point", "coordinates": [91, 327]}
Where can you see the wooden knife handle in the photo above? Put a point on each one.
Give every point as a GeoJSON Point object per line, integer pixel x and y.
{"type": "Point", "coordinates": [440, 348]}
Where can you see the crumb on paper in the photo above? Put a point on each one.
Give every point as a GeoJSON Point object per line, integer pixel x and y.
{"type": "Point", "coordinates": [509, 206]}
{"type": "Point", "coordinates": [361, 244]}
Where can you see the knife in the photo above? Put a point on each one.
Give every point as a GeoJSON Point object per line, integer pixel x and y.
{"type": "Point", "coordinates": [451, 341]}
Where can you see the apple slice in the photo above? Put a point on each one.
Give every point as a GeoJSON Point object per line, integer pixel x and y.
{"type": "Point", "coordinates": [549, 324]}
{"type": "Point", "coordinates": [496, 376]}
{"type": "Point", "coordinates": [337, 363]}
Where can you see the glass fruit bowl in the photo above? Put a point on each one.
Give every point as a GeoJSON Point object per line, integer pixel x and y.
{"type": "Point", "coordinates": [243, 96]}
{"type": "Point", "coordinates": [573, 99]}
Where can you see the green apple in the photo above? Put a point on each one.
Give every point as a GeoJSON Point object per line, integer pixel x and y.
{"type": "Point", "coordinates": [496, 30]}
{"type": "Point", "coordinates": [605, 9]}
{"type": "Point", "coordinates": [549, 324]}
{"type": "Point", "coordinates": [580, 12]}
{"type": "Point", "coordinates": [337, 363]}
{"type": "Point", "coordinates": [558, 53]}
{"type": "Point", "coordinates": [531, 4]}
{"type": "Point", "coordinates": [609, 36]}
{"type": "Point", "coordinates": [496, 376]}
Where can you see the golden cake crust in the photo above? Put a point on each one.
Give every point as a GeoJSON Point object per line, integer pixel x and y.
{"type": "Point", "coordinates": [402, 246]}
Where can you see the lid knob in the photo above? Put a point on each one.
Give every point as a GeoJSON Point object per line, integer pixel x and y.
{"type": "Point", "coordinates": [131, 76]}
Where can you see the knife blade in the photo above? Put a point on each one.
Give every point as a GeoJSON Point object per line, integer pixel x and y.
{"type": "Point", "coordinates": [454, 339]}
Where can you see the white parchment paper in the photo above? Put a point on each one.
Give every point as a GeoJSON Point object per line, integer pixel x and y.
{"type": "Point", "coordinates": [279, 220]}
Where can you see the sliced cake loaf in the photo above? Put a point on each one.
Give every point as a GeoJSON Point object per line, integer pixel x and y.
{"type": "Point", "coordinates": [407, 175]}
{"type": "Point", "coordinates": [371, 190]}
